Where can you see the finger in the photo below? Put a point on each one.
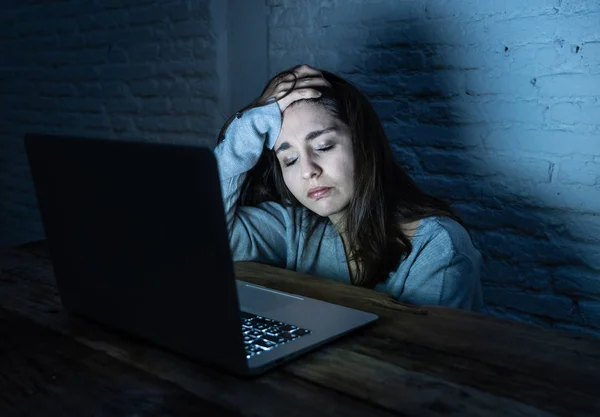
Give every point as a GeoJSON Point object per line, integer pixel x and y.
{"type": "Point", "coordinates": [312, 82]}
{"type": "Point", "coordinates": [306, 71]}
{"type": "Point", "coordinates": [297, 94]}
{"type": "Point", "coordinates": [301, 83]}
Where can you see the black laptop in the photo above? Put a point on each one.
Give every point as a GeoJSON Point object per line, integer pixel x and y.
{"type": "Point", "coordinates": [136, 231]}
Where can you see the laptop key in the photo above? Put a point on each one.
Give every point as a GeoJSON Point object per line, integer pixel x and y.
{"type": "Point", "coordinates": [287, 336]}
{"type": "Point", "coordinates": [262, 334]}
{"type": "Point", "coordinates": [274, 339]}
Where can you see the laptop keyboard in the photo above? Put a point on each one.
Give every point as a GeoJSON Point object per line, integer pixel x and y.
{"type": "Point", "coordinates": [262, 334]}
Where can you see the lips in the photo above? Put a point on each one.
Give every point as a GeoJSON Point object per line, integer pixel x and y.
{"type": "Point", "coordinates": [318, 192]}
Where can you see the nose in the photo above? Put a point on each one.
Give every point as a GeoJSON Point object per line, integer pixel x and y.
{"type": "Point", "coordinates": [310, 169]}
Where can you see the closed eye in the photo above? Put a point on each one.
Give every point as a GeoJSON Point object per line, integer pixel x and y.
{"type": "Point", "coordinates": [323, 149]}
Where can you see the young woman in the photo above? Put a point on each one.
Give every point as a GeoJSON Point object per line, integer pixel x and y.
{"type": "Point", "coordinates": [310, 184]}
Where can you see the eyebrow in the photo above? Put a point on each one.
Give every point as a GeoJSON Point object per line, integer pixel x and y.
{"type": "Point", "coordinates": [309, 137]}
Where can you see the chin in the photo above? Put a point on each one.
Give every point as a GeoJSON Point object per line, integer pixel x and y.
{"type": "Point", "coordinates": [324, 210]}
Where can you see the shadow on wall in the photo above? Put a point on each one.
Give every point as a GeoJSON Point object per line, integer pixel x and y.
{"type": "Point", "coordinates": [428, 86]}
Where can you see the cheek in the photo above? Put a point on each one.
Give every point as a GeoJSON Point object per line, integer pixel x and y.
{"type": "Point", "coordinates": [290, 182]}
{"type": "Point", "coordinates": [344, 169]}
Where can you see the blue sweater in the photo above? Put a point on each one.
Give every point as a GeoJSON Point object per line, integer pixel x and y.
{"type": "Point", "coordinates": [442, 269]}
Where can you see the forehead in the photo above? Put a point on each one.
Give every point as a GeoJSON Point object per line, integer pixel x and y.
{"type": "Point", "coordinates": [301, 119]}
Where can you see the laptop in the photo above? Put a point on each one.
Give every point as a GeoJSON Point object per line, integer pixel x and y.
{"type": "Point", "coordinates": [138, 239]}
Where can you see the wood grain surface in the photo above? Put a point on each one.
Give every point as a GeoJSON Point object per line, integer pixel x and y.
{"type": "Point", "coordinates": [417, 361]}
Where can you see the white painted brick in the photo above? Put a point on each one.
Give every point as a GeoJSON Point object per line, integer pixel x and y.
{"type": "Point", "coordinates": [460, 162]}
{"type": "Point", "coordinates": [582, 227]}
{"type": "Point", "coordinates": [16, 89]}
{"type": "Point", "coordinates": [117, 55]}
{"type": "Point", "coordinates": [524, 250]}
{"type": "Point", "coordinates": [579, 171]}
{"type": "Point", "coordinates": [69, 104]}
{"type": "Point", "coordinates": [83, 57]}
{"type": "Point", "coordinates": [500, 272]}
{"type": "Point", "coordinates": [511, 314]}
{"type": "Point", "coordinates": [176, 51]}
{"type": "Point", "coordinates": [345, 61]}
{"type": "Point", "coordinates": [547, 305]}
{"type": "Point", "coordinates": [566, 197]}
{"type": "Point", "coordinates": [535, 59]}
{"type": "Point", "coordinates": [202, 126]}
{"type": "Point", "coordinates": [183, 10]}
{"type": "Point", "coordinates": [147, 15]}
{"type": "Point", "coordinates": [576, 328]}
{"type": "Point", "coordinates": [443, 83]}
{"type": "Point", "coordinates": [141, 53]}
{"type": "Point", "coordinates": [469, 57]}
{"type": "Point", "coordinates": [122, 124]}
{"type": "Point", "coordinates": [485, 83]}
{"type": "Point", "coordinates": [22, 117]}
{"type": "Point", "coordinates": [454, 189]}
{"type": "Point", "coordinates": [590, 311]}
{"type": "Point", "coordinates": [408, 159]}
{"type": "Point", "coordinates": [588, 254]}
{"type": "Point", "coordinates": [590, 56]}
{"type": "Point", "coordinates": [199, 69]}
{"type": "Point", "coordinates": [127, 72]}
{"type": "Point", "coordinates": [288, 39]}
{"type": "Point", "coordinates": [56, 90]}
{"type": "Point", "coordinates": [568, 85]}
{"type": "Point", "coordinates": [102, 89]}
{"type": "Point", "coordinates": [541, 141]}
{"type": "Point", "coordinates": [520, 30]}
{"type": "Point", "coordinates": [466, 8]}
{"type": "Point", "coordinates": [117, 4]}
{"type": "Point", "coordinates": [204, 86]}
{"type": "Point", "coordinates": [96, 122]}
{"type": "Point", "coordinates": [116, 36]}
{"type": "Point", "coordinates": [145, 88]}
{"type": "Point", "coordinates": [576, 281]}
{"type": "Point", "coordinates": [157, 105]}
{"type": "Point", "coordinates": [578, 6]}
{"type": "Point", "coordinates": [78, 9]}
{"type": "Point", "coordinates": [534, 278]}
{"type": "Point", "coordinates": [192, 106]}
{"type": "Point", "coordinates": [293, 17]}
{"type": "Point", "coordinates": [499, 111]}
{"type": "Point", "coordinates": [439, 136]}
{"type": "Point", "coordinates": [109, 19]}
{"type": "Point", "coordinates": [556, 57]}
{"type": "Point", "coordinates": [192, 137]}
{"type": "Point", "coordinates": [171, 123]}
{"type": "Point", "coordinates": [491, 105]}
{"type": "Point", "coordinates": [371, 12]}
{"type": "Point", "coordinates": [189, 28]}
{"type": "Point", "coordinates": [575, 113]}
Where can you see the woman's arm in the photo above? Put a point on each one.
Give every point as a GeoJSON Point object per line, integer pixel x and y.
{"type": "Point", "coordinates": [255, 233]}
{"type": "Point", "coordinates": [264, 232]}
{"type": "Point", "coordinates": [446, 272]}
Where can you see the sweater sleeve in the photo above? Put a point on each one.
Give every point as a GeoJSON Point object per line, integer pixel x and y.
{"type": "Point", "coordinates": [445, 276]}
{"type": "Point", "coordinates": [255, 233]}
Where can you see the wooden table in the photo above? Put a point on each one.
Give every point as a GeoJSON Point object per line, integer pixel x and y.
{"type": "Point", "coordinates": [412, 362]}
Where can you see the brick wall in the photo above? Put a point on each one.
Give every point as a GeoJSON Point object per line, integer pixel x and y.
{"type": "Point", "coordinates": [110, 68]}
{"type": "Point", "coordinates": [493, 105]}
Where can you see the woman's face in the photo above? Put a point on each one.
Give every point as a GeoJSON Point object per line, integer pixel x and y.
{"type": "Point", "coordinates": [314, 150]}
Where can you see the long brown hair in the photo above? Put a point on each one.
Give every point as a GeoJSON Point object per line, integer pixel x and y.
{"type": "Point", "coordinates": [385, 196]}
